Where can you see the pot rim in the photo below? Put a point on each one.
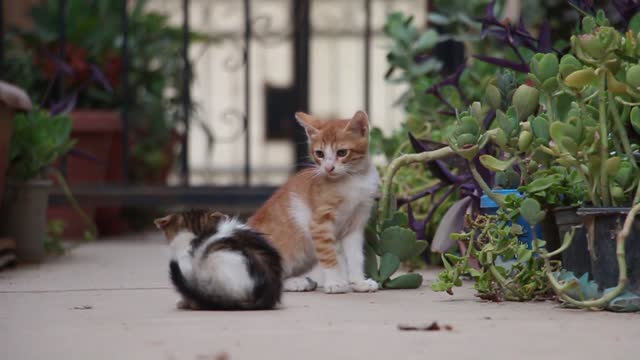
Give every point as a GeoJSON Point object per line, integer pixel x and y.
{"type": "Point", "coordinates": [589, 211]}
{"type": "Point", "coordinates": [31, 183]}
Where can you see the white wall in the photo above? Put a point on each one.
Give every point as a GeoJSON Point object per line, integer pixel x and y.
{"type": "Point", "coordinates": [336, 77]}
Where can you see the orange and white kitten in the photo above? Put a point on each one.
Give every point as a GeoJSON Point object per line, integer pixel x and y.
{"type": "Point", "coordinates": [318, 217]}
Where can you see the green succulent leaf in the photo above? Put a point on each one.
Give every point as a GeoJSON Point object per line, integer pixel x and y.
{"type": "Point", "coordinates": [569, 64]}
{"type": "Point", "coordinates": [371, 263]}
{"type": "Point", "coordinates": [492, 96]}
{"type": "Point", "coordinates": [531, 211]}
{"type": "Point", "coordinates": [526, 101]}
{"type": "Point", "coordinates": [494, 164]}
{"type": "Point", "coordinates": [398, 241]}
{"type": "Point", "coordinates": [524, 140]}
{"type": "Point", "coordinates": [635, 119]}
{"type": "Point", "coordinates": [389, 264]}
{"type": "Point", "coordinates": [580, 78]}
{"type": "Point", "coordinates": [544, 66]}
{"type": "Point", "coordinates": [540, 128]}
{"type": "Point", "coordinates": [399, 218]}
{"type": "Point", "coordinates": [426, 41]}
{"type": "Point", "coordinates": [633, 74]}
{"type": "Point", "coordinates": [613, 165]}
{"type": "Point", "coordinates": [404, 281]}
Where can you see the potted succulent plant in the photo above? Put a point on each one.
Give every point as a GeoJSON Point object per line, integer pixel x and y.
{"type": "Point", "coordinates": [38, 140]}
{"type": "Point", "coordinates": [598, 137]}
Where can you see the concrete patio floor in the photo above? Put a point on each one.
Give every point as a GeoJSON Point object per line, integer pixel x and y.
{"type": "Point", "coordinates": [111, 299]}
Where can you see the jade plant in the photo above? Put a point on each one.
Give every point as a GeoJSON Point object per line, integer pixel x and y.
{"type": "Point", "coordinates": [596, 133]}
{"type": "Point", "coordinates": [392, 243]}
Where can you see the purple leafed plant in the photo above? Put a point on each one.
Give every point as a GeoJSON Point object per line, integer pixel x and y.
{"type": "Point", "coordinates": [513, 36]}
{"type": "Point", "coordinates": [453, 175]}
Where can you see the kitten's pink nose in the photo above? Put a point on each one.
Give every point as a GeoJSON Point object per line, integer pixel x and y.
{"type": "Point", "coordinates": [329, 168]}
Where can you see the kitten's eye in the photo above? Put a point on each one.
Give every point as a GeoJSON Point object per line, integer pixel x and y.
{"type": "Point", "coordinates": [319, 154]}
{"type": "Point", "coordinates": [342, 152]}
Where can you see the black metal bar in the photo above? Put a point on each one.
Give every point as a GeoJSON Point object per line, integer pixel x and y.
{"type": "Point", "coordinates": [247, 92]}
{"type": "Point", "coordinates": [126, 92]}
{"type": "Point", "coordinates": [301, 40]}
{"type": "Point", "coordinates": [186, 90]}
{"type": "Point", "coordinates": [367, 55]}
{"type": "Point", "coordinates": [2, 36]}
{"type": "Point", "coordinates": [62, 39]}
{"type": "Point", "coordinates": [231, 199]}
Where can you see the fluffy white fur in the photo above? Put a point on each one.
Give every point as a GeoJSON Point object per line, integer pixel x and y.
{"type": "Point", "coordinates": [222, 271]}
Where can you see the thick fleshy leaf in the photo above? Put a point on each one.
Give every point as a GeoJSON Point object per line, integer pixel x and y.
{"type": "Point", "coordinates": [404, 281]}
{"type": "Point", "coordinates": [389, 264]}
{"type": "Point", "coordinates": [399, 219]}
{"type": "Point", "coordinates": [370, 263]}
{"type": "Point", "coordinates": [452, 222]}
{"type": "Point", "coordinates": [494, 164]}
{"type": "Point", "coordinates": [398, 241]}
{"type": "Point", "coordinates": [531, 212]}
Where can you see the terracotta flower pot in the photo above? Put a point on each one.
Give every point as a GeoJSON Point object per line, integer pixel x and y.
{"type": "Point", "coordinates": [97, 133]}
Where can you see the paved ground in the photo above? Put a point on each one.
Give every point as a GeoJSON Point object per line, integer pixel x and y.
{"type": "Point", "coordinates": [111, 300]}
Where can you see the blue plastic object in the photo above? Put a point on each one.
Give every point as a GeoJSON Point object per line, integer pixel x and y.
{"type": "Point", "coordinates": [489, 207]}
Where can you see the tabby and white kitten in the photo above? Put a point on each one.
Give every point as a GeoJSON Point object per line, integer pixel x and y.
{"type": "Point", "coordinates": [319, 215]}
{"type": "Point", "coordinates": [219, 263]}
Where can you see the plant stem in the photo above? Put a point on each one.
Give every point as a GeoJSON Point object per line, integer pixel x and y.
{"type": "Point", "coordinates": [565, 245]}
{"type": "Point", "coordinates": [404, 160]}
{"type": "Point", "coordinates": [74, 203]}
{"type": "Point", "coordinates": [498, 199]}
{"type": "Point", "coordinates": [622, 132]}
{"type": "Point", "coordinates": [622, 269]}
{"type": "Point", "coordinates": [604, 179]}
{"type": "Point", "coordinates": [636, 198]}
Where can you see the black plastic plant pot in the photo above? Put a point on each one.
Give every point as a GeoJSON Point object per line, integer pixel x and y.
{"type": "Point", "coordinates": [576, 257]}
{"type": "Point", "coordinates": [602, 225]}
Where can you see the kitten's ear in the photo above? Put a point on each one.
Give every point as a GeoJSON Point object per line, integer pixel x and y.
{"type": "Point", "coordinates": [359, 124]}
{"type": "Point", "coordinates": [217, 216]}
{"type": "Point", "coordinates": [307, 121]}
{"type": "Point", "coordinates": [163, 222]}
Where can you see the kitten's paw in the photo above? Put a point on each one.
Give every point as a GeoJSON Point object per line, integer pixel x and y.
{"type": "Point", "coordinates": [364, 285]}
{"type": "Point", "coordinates": [336, 287]}
{"type": "Point", "coordinates": [186, 305]}
{"type": "Point", "coordinates": [183, 305]}
{"type": "Point", "coordinates": [298, 284]}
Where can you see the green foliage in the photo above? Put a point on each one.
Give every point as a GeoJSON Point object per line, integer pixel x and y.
{"type": "Point", "coordinates": [53, 242]}
{"type": "Point", "coordinates": [38, 140]}
{"type": "Point", "coordinates": [508, 270]}
{"type": "Point", "coordinates": [93, 35]}
{"type": "Point", "coordinates": [594, 132]}
{"type": "Point", "coordinates": [555, 187]}
{"type": "Point", "coordinates": [393, 244]}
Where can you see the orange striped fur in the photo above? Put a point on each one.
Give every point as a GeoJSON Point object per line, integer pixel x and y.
{"type": "Point", "coordinates": [310, 215]}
